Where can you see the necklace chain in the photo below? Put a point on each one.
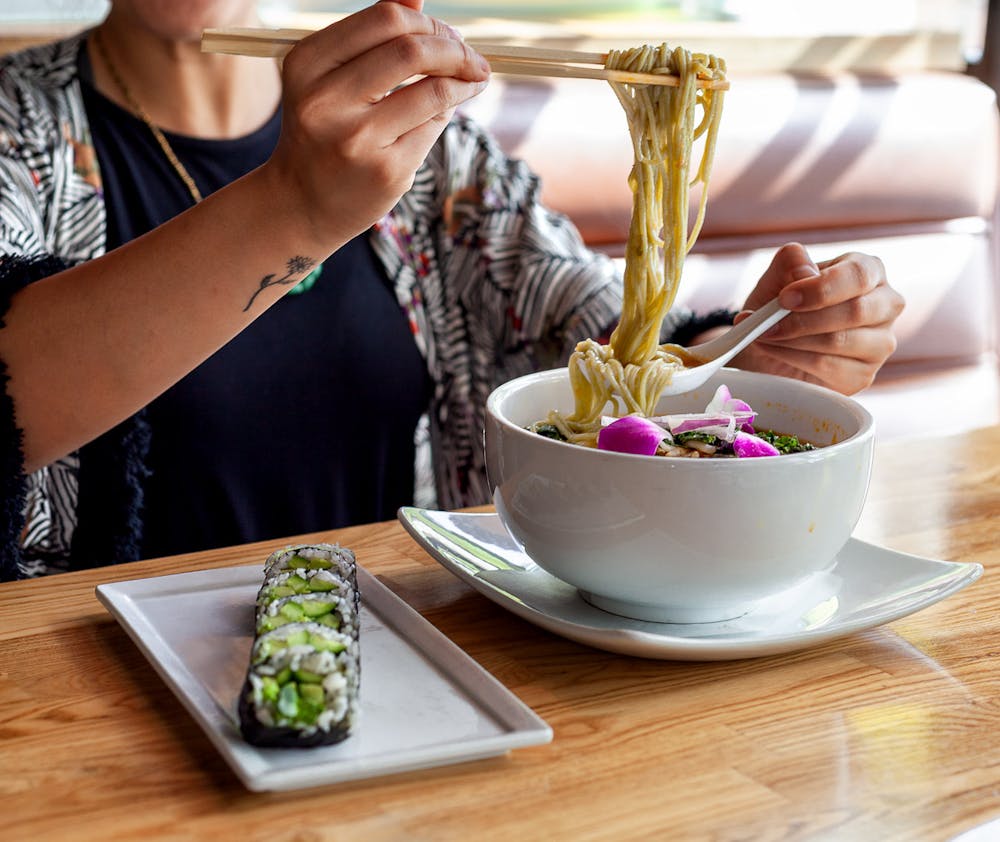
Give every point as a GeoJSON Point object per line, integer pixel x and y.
{"type": "Point", "coordinates": [308, 281]}
{"type": "Point", "coordinates": [140, 112]}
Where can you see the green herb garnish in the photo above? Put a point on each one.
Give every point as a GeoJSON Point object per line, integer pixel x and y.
{"type": "Point", "coordinates": [784, 443]}
{"type": "Point", "coordinates": [550, 431]}
{"type": "Point", "coordinates": [707, 438]}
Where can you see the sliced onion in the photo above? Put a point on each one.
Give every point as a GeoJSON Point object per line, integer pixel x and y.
{"type": "Point", "coordinates": [632, 434]}
{"type": "Point", "coordinates": [746, 445]}
{"type": "Point", "coordinates": [719, 399]}
{"type": "Point", "coordinates": [722, 426]}
{"type": "Point", "coordinates": [723, 401]}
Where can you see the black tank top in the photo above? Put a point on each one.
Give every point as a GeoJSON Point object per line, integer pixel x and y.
{"type": "Point", "coordinates": [304, 421]}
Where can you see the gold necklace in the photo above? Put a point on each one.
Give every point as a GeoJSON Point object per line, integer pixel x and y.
{"type": "Point", "coordinates": [302, 286]}
{"type": "Point", "coordinates": [140, 112]}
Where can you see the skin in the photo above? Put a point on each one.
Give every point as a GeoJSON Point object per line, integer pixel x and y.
{"type": "Point", "coordinates": [156, 45]}
{"type": "Point", "coordinates": [839, 333]}
{"type": "Point", "coordinates": [89, 347]}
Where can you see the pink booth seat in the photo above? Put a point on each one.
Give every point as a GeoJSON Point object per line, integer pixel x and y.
{"type": "Point", "coordinates": [904, 167]}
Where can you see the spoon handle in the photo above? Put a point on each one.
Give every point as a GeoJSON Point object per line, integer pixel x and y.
{"type": "Point", "coordinates": [734, 340]}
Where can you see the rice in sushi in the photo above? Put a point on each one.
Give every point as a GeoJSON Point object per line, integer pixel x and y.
{"type": "Point", "coordinates": [302, 685]}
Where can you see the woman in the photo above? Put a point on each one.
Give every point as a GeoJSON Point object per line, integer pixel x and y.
{"type": "Point", "coordinates": [160, 204]}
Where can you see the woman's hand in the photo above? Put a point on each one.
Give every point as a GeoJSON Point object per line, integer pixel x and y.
{"type": "Point", "coordinates": [352, 138]}
{"type": "Point", "coordinates": [839, 332]}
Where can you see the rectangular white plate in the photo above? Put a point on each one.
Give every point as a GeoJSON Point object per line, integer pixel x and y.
{"type": "Point", "coordinates": [424, 702]}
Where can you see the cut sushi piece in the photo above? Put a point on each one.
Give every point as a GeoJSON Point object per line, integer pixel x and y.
{"type": "Point", "coordinates": [286, 583]}
{"type": "Point", "coordinates": [338, 560]}
{"type": "Point", "coordinates": [301, 687]}
{"type": "Point", "coordinates": [328, 609]}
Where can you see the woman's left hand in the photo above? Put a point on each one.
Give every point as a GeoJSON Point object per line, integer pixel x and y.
{"type": "Point", "coordinates": [839, 332]}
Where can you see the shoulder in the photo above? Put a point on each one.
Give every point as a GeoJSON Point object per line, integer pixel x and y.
{"type": "Point", "coordinates": [38, 88]}
{"type": "Point", "coordinates": [45, 66]}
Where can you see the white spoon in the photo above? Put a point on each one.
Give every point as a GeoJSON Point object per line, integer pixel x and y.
{"type": "Point", "coordinates": [710, 356]}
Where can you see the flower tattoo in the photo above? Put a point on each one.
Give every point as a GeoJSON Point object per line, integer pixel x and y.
{"type": "Point", "coordinates": [295, 266]}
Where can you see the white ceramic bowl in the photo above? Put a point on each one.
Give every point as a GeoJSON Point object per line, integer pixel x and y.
{"type": "Point", "coordinates": [681, 540]}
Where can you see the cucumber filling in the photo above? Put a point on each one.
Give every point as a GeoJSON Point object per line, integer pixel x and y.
{"type": "Point", "coordinates": [299, 703]}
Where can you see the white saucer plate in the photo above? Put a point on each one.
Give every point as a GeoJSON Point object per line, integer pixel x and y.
{"type": "Point", "coordinates": [865, 586]}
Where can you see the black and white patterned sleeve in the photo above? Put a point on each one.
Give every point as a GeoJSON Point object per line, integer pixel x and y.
{"type": "Point", "coordinates": [40, 509]}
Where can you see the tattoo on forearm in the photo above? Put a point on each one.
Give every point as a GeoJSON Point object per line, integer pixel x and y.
{"type": "Point", "coordinates": [295, 267]}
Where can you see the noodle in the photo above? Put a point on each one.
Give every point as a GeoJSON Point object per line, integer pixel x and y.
{"type": "Point", "coordinates": [632, 370]}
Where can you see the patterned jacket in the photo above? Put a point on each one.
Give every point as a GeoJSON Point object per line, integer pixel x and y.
{"type": "Point", "coordinates": [494, 284]}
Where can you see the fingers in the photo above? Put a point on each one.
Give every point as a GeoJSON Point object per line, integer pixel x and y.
{"type": "Point", "coordinates": [790, 263]}
{"type": "Point", "coordinates": [405, 40]}
{"type": "Point", "coordinates": [447, 65]}
{"type": "Point", "coordinates": [329, 48]}
{"type": "Point", "coordinates": [873, 344]}
{"type": "Point", "coordinates": [850, 292]}
{"type": "Point", "coordinates": [850, 276]}
{"type": "Point", "coordinates": [878, 307]}
{"type": "Point", "coordinates": [846, 375]}
{"type": "Point", "coordinates": [365, 59]}
{"type": "Point", "coordinates": [381, 118]}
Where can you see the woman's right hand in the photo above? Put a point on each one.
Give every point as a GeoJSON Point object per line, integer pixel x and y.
{"type": "Point", "coordinates": [352, 139]}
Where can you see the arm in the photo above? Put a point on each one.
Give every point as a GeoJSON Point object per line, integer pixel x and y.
{"type": "Point", "coordinates": [87, 347]}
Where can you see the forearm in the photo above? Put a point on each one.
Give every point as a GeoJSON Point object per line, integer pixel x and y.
{"type": "Point", "coordinates": [88, 347]}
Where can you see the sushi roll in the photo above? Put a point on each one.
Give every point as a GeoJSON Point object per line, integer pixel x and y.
{"type": "Point", "coordinates": [302, 684]}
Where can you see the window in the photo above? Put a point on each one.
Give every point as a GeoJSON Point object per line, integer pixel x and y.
{"type": "Point", "coordinates": [806, 35]}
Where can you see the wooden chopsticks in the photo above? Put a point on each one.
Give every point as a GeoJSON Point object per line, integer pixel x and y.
{"type": "Point", "coordinates": [521, 61]}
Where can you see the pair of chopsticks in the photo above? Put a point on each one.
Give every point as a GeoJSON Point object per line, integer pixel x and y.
{"type": "Point", "coordinates": [522, 61]}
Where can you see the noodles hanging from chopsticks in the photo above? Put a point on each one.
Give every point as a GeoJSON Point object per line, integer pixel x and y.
{"type": "Point", "coordinates": [633, 369]}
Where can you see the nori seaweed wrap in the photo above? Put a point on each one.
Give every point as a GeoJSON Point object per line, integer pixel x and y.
{"type": "Point", "coordinates": [302, 684]}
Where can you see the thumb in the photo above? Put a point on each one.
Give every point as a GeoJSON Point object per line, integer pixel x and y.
{"type": "Point", "coordinates": [790, 263]}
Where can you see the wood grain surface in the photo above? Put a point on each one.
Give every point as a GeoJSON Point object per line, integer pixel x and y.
{"type": "Point", "coordinates": [890, 734]}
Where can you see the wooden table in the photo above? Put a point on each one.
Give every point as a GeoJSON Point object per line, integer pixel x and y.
{"type": "Point", "coordinates": [891, 734]}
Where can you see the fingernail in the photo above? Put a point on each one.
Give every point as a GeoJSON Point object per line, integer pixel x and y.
{"type": "Point", "coordinates": [484, 64]}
